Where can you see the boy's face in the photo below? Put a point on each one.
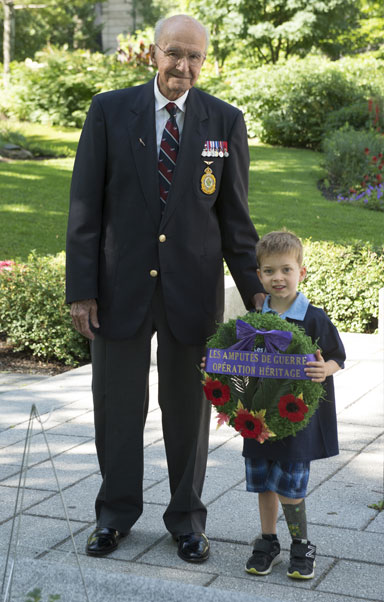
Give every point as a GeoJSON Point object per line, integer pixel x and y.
{"type": "Point", "coordinates": [280, 275]}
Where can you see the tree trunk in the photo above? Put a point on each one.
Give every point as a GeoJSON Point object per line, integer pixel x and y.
{"type": "Point", "coordinates": [8, 37]}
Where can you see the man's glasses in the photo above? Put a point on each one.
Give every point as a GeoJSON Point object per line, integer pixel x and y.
{"type": "Point", "coordinates": [174, 55]}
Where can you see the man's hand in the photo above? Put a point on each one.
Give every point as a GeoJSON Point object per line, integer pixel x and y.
{"type": "Point", "coordinates": [258, 301]}
{"type": "Point", "coordinates": [83, 313]}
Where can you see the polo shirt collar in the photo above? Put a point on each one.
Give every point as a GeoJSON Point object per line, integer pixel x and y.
{"type": "Point", "coordinates": [296, 311]}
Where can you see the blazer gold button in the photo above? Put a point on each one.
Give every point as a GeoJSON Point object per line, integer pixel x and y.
{"type": "Point", "coordinates": [162, 238]}
{"type": "Point", "coordinates": [153, 273]}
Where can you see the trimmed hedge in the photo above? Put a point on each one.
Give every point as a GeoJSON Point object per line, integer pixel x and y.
{"type": "Point", "coordinates": [33, 314]}
{"type": "Point", "coordinates": [345, 281]}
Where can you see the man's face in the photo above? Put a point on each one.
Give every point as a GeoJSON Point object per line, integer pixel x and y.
{"type": "Point", "coordinates": [178, 55]}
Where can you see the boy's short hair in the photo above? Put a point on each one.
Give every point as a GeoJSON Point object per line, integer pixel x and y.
{"type": "Point", "coordinates": [277, 243]}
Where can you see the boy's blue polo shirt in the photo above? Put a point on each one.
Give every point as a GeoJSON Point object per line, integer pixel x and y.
{"type": "Point", "coordinates": [319, 438]}
{"type": "Point", "coordinates": [296, 311]}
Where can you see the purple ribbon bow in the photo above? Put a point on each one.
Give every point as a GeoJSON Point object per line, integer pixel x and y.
{"type": "Point", "coordinates": [274, 339]}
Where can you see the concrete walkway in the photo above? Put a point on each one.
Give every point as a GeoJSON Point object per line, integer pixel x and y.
{"type": "Point", "coordinates": [349, 534]}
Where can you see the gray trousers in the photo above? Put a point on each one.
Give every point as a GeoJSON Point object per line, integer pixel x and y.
{"type": "Point", "coordinates": [120, 393]}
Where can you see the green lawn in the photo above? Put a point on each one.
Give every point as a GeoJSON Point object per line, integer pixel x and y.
{"type": "Point", "coordinates": [283, 192]}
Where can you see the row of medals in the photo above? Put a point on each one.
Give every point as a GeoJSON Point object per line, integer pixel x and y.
{"type": "Point", "coordinates": [215, 148]}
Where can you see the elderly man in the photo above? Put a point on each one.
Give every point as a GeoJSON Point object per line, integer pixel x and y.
{"type": "Point", "coordinates": [158, 198]}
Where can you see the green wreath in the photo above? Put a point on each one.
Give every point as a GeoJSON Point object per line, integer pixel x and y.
{"type": "Point", "coordinates": [263, 408]}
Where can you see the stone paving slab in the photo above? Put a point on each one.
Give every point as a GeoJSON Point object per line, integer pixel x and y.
{"type": "Point", "coordinates": [355, 436]}
{"type": "Point", "coordinates": [8, 497]}
{"type": "Point", "coordinates": [103, 586]}
{"type": "Point", "coordinates": [367, 376]}
{"type": "Point", "coordinates": [377, 525]}
{"type": "Point", "coordinates": [368, 410]}
{"type": "Point", "coordinates": [9, 380]}
{"type": "Point", "coordinates": [357, 579]}
{"type": "Point", "coordinates": [291, 592]}
{"type": "Point", "coordinates": [113, 565]}
{"type": "Point", "coordinates": [329, 466]}
{"type": "Point", "coordinates": [37, 536]}
{"type": "Point", "coordinates": [78, 499]}
{"type": "Point", "coordinates": [340, 504]}
{"type": "Point", "coordinates": [70, 468]}
{"type": "Point", "coordinates": [7, 470]}
{"type": "Point", "coordinates": [58, 444]}
{"type": "Point", "coordinates": [234, 517]}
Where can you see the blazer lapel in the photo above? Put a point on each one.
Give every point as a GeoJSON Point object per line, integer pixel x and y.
{"type": "Point", "coordinates": [142, 131]}
{"type": "Point", "coordinates": [192, 143]}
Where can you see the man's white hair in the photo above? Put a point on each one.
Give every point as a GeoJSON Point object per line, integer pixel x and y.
{"type": "Point", "coordinates": [162, 22]}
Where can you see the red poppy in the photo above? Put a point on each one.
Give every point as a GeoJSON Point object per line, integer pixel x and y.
{"type": "Point", "coordinates": [381, 165]}
{"type": "Point", "coordinates": [366, 178]}
{"type": "Point", "coordinates": [248, 425]}
{"type": "Point", "coordinates": [292, 407]}
{"type": "Point", "coordinates": [374, 159]}
{"type": "Point", "coordinates": [217, 393]}
{"type": "Point", "coordinates": [379, 177]}
{"type": "Point", "coordinates": [380, 155]}
{"type": "Point", "coordinates": [366, 150]}
{"type": "Point", "coordinates": [352, 190]}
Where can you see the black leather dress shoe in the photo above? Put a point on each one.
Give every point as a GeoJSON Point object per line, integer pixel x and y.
{"type": "Point", "coordinates": [192, 547]}
{"type": "Point", "coordinates": [102, 541]}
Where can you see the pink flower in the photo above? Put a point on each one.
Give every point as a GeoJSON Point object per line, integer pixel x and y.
{"type": "Point", "coordinates": [6, 265]}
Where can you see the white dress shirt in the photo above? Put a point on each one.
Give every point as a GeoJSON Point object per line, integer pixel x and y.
{"type": "Point", "coordinates": [162, 114]}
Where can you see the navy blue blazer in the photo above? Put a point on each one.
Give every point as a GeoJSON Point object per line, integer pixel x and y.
{"type": "Point", "coordinates": [319, 438]}
{"type": "Point", "coordinates": [117, 238]}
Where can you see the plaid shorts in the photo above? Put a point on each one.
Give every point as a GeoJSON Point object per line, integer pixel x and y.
{"type": "Point", "coordinates": [289, 479]}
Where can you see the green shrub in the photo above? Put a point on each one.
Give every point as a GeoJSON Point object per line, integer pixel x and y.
{"type": "Point", "coordinates": [345, 281]}
{"type": "Point", "coordinates": [289, 103]}
{"type": "Point", "coordinates": [348, 158]}
{"type": "Point", "coordinates": [355, 115]}
{"type": "Point", "coordinates": [57, 88]}
{"type": "Point", "coordinates": [33, 314]}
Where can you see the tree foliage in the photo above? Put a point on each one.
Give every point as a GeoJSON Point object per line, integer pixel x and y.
{"type": "Point", "coordinates": [267, 30]}
{"type": "Point", "coordinates": [57, 22]}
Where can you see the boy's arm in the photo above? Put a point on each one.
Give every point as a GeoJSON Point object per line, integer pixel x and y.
{"type": "Point", "coordinates": [319, 370]}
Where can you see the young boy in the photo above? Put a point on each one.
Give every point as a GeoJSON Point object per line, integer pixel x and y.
{"type": "Point", "coordinates": [279, 471]}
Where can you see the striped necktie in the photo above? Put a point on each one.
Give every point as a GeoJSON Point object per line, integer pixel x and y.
{"type": "Point", "coordinates": [169, 148]}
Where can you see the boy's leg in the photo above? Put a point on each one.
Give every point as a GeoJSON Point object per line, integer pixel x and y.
{"type": "Point", "coordinates": [268, 510]}
{"type": "Point", "coordinates": [295, 516]}
{"type": "Point", "coordinates": [266, 550]}
{"type": "Point", "coordinates": [302, 554]}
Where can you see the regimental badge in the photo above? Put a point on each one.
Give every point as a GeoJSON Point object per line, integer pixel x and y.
{"type": "Point", "coordinates": [208, 181]}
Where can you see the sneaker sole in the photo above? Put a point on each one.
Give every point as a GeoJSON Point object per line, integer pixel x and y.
{"type": "Point", "coordinates": [253, 571]}
{"type": "Point", "coordinates": [297, 575]}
